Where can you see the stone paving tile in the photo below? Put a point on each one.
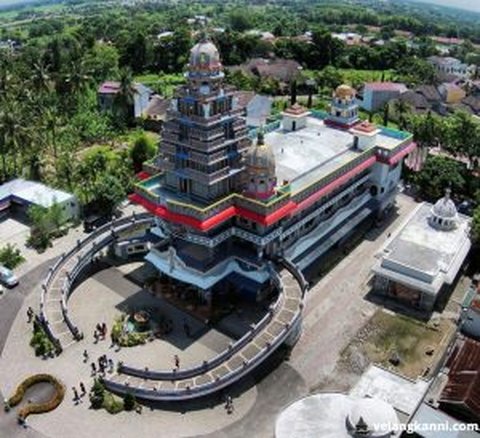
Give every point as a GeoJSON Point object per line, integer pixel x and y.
{"type": "Point", "coordinates": [250, 351]}
{"type": "Point", "coordinates": [220, 372]}
{"type": "Point", "coordinates": [203, 379]}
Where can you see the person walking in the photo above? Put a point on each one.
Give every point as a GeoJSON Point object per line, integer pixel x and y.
{"type": "Point", "coordinates": [30, 314]}
{"type": "Point", "coordinates": [82, 389]}
{"type": "Point", "coordinates": [85, 356]}
{"type": "Point", "coordinates": [75, 394]}
{"type": "Point", "coordinates": [176, 360]}
{"type": "Point", "coordinates": [95, 336]}
{"type": "Point", "coordinates": [104, 330]}
{"type": "Point", "coordinates": [94, 369]}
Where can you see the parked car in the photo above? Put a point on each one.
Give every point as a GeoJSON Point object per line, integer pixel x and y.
{"type": "Point", "coordinates": [94, 221]}
{"type": "Point", "coordinates": [7, 277]}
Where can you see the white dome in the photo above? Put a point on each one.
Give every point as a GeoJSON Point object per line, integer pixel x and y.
{"type": "Point", "coordinates": [377, 416]}
{"type": "Point", "coordinates": [445, 208]}
{"type": "Point", "coordinates": [444, 214]}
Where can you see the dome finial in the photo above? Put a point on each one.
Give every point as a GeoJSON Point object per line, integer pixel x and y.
{"type": "Point", "coordinates": [448, 192]}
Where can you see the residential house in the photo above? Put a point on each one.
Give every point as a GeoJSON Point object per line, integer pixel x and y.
{"type": "Point", "coordinates": [416, 101]}
{"type": "Point", "coordinates": [453, 66]}
{"type": "Point", "coordinates": [16, 196]}
{"type": "Point", "coordinates": [377, 94]}
{"type": "Point", "coordinates": [471, 104]}
{"type": "Point", "coordinates": [108, 91]}
{"type": "Point", "coordinates": [451, 93]}
{"type": "Point", "coordinates": [283, 70]}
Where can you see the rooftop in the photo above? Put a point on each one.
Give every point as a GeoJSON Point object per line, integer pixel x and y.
{"type": "Point", "coordinates": [386, 86]}
{"type": "Point", "coordinates": [402, 393]}
{"type": "Point", "coordinates": [33, 192]}
{"type": "Point", "coordinates": [463, 386]}
{"type": "Point", "coordinates": [423, 256]}
{"type": "Point", "coordinates": [308, 154]}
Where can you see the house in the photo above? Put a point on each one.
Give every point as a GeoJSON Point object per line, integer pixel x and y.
{"type": "Point", "coordinates": [377, 94]}
{"type": "Point", "coordinates": [18, 195]}
{"type": "Point", "coordinates": [449, 65]}
{"type": "Point", "coordinates": [349, 38]}
{"type": "Point", "coordinates": [460, 396]}
{"type": "Point", "coordinates": [264, 36]}
{"type": "Point", "coordinates": [108, 91]}
{"type": "Point", "coordinates": [471, 104]}
{"type": "Point", "coordinates": [451, 93]}
{"type": "Point", "coordinates": [155, 113]}
{"type": "Point", "coordinates": [416, 101]}
{"type": "Point", "coordinates": [430, 93]}
{"type": "Point", "coordinates": [283, 70]}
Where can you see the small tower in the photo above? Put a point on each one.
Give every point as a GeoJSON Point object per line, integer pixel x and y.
{"type": "Point", "coordinates": [343, 107]}
{"type": "Point", "coordinates": [364, 135]}
{"type": "Point", "coordinates": [260, 170]}
{"type": "Point", "coordinates": [295, 117]}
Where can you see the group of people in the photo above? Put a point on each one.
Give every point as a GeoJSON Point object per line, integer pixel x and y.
{"type": "Point", "coordinates": [77, 397]}
{"type": "Point", "coordinates": [103, 364]}
{"type": "Point", "coordinates": [100, 332]}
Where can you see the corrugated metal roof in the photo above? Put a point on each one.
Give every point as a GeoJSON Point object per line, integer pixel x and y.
{"type": "Point", "coordinates": [33, 192]}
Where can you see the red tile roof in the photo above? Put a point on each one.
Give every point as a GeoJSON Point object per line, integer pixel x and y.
{"type": "Point", "coordinates": [463, 387]}
{"type": "Point", "coordinates": [385, 86]}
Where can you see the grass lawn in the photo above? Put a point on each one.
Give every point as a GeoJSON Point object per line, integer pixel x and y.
{"type": "Point", "coordinates": [352, 75]}
{"type": "Point", "coordinates": [163, 84]}
{"type": "Point", "coordinates": [418, 345]}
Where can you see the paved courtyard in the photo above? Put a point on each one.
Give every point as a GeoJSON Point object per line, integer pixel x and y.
{"type": "Point", "coordinates": [335, 311]}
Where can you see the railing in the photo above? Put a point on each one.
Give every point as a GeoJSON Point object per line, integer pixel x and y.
{"type": "Point", "coordinates": [117, 226]}
{"type": "Point", "coordinates": [207, 365]}
{"type": "Point", "coordinates": [189, 390]}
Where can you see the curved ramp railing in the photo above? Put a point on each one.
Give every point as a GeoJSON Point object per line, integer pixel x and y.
{"type": "Point", "coordinates": [57, 286]}
{"type": "Point", "coordinates": [283, 318]}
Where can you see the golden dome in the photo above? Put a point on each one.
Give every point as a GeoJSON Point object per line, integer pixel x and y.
{"type": "Point", "coordinates": [260, 157]}
{"type": "Point", "coordinates": [344, 91]}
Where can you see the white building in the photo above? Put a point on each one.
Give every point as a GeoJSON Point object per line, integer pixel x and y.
{"type": "Point", "coordinates": [424, 256]}
{"type": "Point", "coordinates": [18, 195]}
{"type": "Point", "coordinates": [451, 66]}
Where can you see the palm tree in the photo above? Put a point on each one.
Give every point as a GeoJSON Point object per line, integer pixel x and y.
{"type": "Point", "coordinates": [401, 109]}
{"type": "Point", "coordinates": [124, 101]}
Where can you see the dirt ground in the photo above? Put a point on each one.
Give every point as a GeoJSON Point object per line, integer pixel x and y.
{"type": "Point", "coordinates": [417, 345]}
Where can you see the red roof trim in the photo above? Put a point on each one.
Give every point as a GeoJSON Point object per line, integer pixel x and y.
{"type": "Point", "coordinates": [334, 184]}
{"type": "Point", "coordinates": [396, 158]}
{"type": "Point", "coordinates": [289, 208]}
{"type": "Point", "coordinates": [143, 175]}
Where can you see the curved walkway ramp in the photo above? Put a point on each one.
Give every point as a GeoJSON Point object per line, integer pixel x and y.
{"type": "Point", "coordinates": [281, 324]}
{"type": "Point", "coordinates": [57, 286]}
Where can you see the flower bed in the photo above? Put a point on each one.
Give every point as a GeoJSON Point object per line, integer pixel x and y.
{"type": "Point", "coordinates": [37, 408]}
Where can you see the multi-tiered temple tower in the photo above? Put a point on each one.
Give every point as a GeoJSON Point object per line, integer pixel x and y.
{"type": "Point", "coordinates": [203, 140]}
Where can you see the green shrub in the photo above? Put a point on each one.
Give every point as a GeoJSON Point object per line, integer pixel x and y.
{"type": "Point", "coordinates": [10, 256]}
{"type": "Point", "coordinates": [129, 401]}
{"type": "Point", "coordinates": [97, 394]}
{"type": "Point", "coordinates": [40, 341]}
{"type": "Point", "coordinates": [112, 404]}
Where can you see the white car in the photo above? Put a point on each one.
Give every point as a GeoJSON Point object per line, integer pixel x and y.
{"type": "Point", "coordinates": [7, 277]}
